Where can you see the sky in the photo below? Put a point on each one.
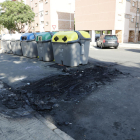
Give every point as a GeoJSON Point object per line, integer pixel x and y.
{"type": "Point", "coordinates": [2, 1]}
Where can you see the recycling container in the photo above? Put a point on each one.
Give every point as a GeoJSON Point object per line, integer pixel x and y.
{"type": "Point", "coordinates": [71, 48]}
{"type": "Point", "coordinates": [3, 44]}
{"type": "Point", "coordinates": [44, 46]}
{"type": "Point", "coordinates": [29, 45]}
{"type": "Point", "coordinates": [16, 44]}
{"type": "Point", "coordinates": [8, 43]}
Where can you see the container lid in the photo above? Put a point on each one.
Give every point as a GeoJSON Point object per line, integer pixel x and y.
{"type": "Point", "coordinates": [70, 36]}
{"type": "Point", "coordinates": [29, 36]}
{"type": "Point", "coordinates": [85, 35]}
{"type": "Point", "coordinates": [16, 36]}
{"type": "Point", "coordinates": [45, 36]}
{"type": "Point", "coordinates": [64, 37]}
{"type": "Point", "coordinates": [7, 37]}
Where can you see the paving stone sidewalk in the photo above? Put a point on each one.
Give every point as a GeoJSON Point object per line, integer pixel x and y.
{"type": "Point", "coordinates": [26, 124]}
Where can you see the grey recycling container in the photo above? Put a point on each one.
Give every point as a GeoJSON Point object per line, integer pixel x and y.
{"type": "Point", "coordinates": [3, 44]}
{"type": "Point", "coordinates": [16, 44]}
{"type": "Point", "coordinates": [71, 48]}
{"type": "Point", "coordinates": [8, 43]}
{"type": "Point", "coordinates": [29, 45]}
{"type": "Point", "coordinates": [44, 46]}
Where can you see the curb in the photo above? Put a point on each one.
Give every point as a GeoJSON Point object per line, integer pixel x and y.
{"type": "Point", "coordinates": [51, 126]}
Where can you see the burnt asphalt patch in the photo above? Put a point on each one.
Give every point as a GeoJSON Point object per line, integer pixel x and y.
{"type": "Point", "coordinates": [72, 86]}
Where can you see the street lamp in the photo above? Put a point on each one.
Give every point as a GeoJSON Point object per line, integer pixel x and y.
{"type": "Point", "coordinates": [70, 13]}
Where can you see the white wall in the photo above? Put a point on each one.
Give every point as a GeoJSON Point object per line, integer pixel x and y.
{"type": "Point", "coordinates": [120, 10]}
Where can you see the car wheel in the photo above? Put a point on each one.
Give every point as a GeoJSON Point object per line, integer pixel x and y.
{"type": "Point", "coordinates": [116, 47]}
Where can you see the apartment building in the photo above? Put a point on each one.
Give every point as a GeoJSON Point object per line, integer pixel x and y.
{"type": "Point", "coordinates": [52, 15]}
{"type": "Point", "coordinates": [120, 17]}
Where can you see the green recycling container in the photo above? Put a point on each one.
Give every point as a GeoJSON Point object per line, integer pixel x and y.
{"type": "Point", "coordinates": [44, 46]}
{"type": "Point", "coordinates": [71, 48]}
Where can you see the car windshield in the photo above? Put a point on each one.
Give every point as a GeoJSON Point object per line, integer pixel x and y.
{"type": "Point", "coordinates": [111, 37]}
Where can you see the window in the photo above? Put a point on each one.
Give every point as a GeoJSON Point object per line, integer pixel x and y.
{"type": "Point", "coordinates": [128, 0]}
{"type": "Point", "coordinates": [46, 12]}
{"type": "Point", "coordinates": [35, 4]}
{"type": "Point", "coordinates": [36, 14]}
{"type": "Point", "coordinates": [42, 22]}
{"type": "Point", "coordinates": [36, 24]}
{"type": "Point", "coordinates": [32, 9]}
{"type": "Point", "coordinates": [137, 24]}
{"type": "Point", "coordinates": [138, 10]}
{"type": "Point", "coordinates": [111, 37]}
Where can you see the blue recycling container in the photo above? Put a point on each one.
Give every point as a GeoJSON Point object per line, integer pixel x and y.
{"type": "Point", "coordinates": [29, 45]}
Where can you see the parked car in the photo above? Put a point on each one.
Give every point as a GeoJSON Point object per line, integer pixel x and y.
{"type": "Point", "coordinates": [108, 41]}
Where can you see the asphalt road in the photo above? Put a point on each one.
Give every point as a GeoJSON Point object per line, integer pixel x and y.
{"type": "Point", "coordinates": [109, 113]}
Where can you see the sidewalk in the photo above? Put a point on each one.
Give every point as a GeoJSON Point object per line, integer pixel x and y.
{"type": "Point", "coordinates": [122, 45]}
{"type": "Point", "coordinates": [26, 124]}
{"type": "Point", "coordinates": [28, 129]}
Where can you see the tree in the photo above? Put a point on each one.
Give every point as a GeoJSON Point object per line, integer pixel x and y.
{"type": "Point", "coordinates": [16, 15]}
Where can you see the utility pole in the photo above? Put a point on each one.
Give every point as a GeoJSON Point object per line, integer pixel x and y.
{"type": "Point", "coordinates": [136, 22]}
{"type": "Point", "coordinates": [70, 13]}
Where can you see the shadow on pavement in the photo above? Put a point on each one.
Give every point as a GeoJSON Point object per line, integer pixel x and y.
{"type": "Point", "coordinates": [133, 50]}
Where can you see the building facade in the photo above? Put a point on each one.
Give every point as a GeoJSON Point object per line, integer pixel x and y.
{"type": "Point", "coordinates": [52, 15]}
{"type": "Point", "coordinates": [120, 17]}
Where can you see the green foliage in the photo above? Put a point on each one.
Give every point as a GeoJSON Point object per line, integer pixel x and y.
{"type": "Point", "coordinates": [97, 32]}
{"type": "Point", "coordinates": [16, 15]}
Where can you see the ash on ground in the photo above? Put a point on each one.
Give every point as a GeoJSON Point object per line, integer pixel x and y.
{"type": "Point", "coordinates": [73, 85]}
